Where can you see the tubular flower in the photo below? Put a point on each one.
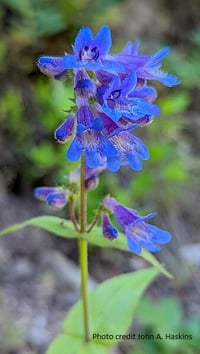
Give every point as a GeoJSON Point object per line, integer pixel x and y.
{"type": "Point", "coordinates": [139, 234]}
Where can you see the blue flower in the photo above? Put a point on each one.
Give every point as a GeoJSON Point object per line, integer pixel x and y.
{"type": "Point", "coordinates": [94, 145]}
{"type": "Point", "coordinates": [130, 150]}
{"type": "Point", "coordinates": [90, 52]}
{"type": "Point", "coordinates": [139, 234]}
{"type": "Point", "coordinates": [52, 66]}
{"type": "Point", "coordinates": [117, 101]}
{"type": "Point", "coordinates": [55, 197]}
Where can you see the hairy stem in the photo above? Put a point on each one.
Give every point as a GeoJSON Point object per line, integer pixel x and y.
{"type": "Point", "coordinates": [83, 251]}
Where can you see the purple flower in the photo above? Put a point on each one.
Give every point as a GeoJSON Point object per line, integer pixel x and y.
{"type": "Point", "coordinates": [138, 233]}
{"type": "Point", "coordinates": [109, 231]}
{"type": "Point", "coordinates": [52, 66]}
{"type": "Point", "coordinates": [55, 197]}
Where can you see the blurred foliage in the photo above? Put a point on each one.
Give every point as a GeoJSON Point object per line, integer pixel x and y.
{"type": "Point", "coordinates": [166, 317]}
{"type": "Point", "coordinates": [185, 61]}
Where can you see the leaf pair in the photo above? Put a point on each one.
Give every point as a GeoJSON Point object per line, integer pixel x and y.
{"type": "Point", "coordinates": [64, 228]}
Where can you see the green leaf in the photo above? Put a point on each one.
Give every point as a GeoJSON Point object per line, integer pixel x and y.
{"type": "Point", "coordinates": [158, 314]}
{"type": "Point", "coordinates": [112, 306]}
{"type": "Point", "coordinates": [70, 344]}
{"type": "Point", "coordinates": [96, 238]}
{"type": "Point", "coordinates": [64, 228]}
{"type": "Point", "coordinates": [54, 224]}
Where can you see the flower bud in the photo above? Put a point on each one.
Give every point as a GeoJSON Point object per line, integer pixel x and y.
{"type": "Point", "coordinates": [109, 231]}
{"type": "Point", "coordinates": [52, 66]}
{"type": "Point", "coordinates": [91, 183]}
{"type": "Point", "coordinates": [42, 193]}
{"type": "Point", "coordinates": [66, 130]}
{"type": "Point", "coordinates": [57, 200]}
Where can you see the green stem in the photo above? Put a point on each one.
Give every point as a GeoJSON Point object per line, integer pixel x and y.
{"type": "Point", "coordinates": [83, 252]}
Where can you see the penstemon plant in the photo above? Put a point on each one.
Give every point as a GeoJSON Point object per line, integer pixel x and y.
{"type": "Point", "coordinates": [112, 99]}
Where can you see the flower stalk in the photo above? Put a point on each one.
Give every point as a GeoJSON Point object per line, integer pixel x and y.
{"type": "Point", "coordinates": [83, 251]}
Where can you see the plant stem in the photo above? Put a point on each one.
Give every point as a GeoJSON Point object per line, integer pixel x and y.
{"type": "Point", "coordinates": [83, 251]}
{"type": "Point", "coordinates": [72, 214]}
{"type": "Point", "coordinates": [94, 222]}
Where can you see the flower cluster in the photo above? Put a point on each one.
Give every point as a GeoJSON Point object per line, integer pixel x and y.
{"type": "Point", "coordinates": [113, 98]}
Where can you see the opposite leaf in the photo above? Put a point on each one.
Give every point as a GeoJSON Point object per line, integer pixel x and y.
{"type": "Point", "coordinates": [64, 228]}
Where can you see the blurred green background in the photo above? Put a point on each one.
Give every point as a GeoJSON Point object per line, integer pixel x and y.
{"type": "Point", "coordinates": [33, 302]}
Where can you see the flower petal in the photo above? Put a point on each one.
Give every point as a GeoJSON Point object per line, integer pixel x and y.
{"type": "Point", "coordinates": [103, 40]}
{"type": "Point", "coordinates": [83, 39]}
{"type": "Point", "coordinates": [159, 235]}
{"type": "Point", "coordinates": [133, 244]}
{"type": "Point", "coordinates": [75, 150]}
